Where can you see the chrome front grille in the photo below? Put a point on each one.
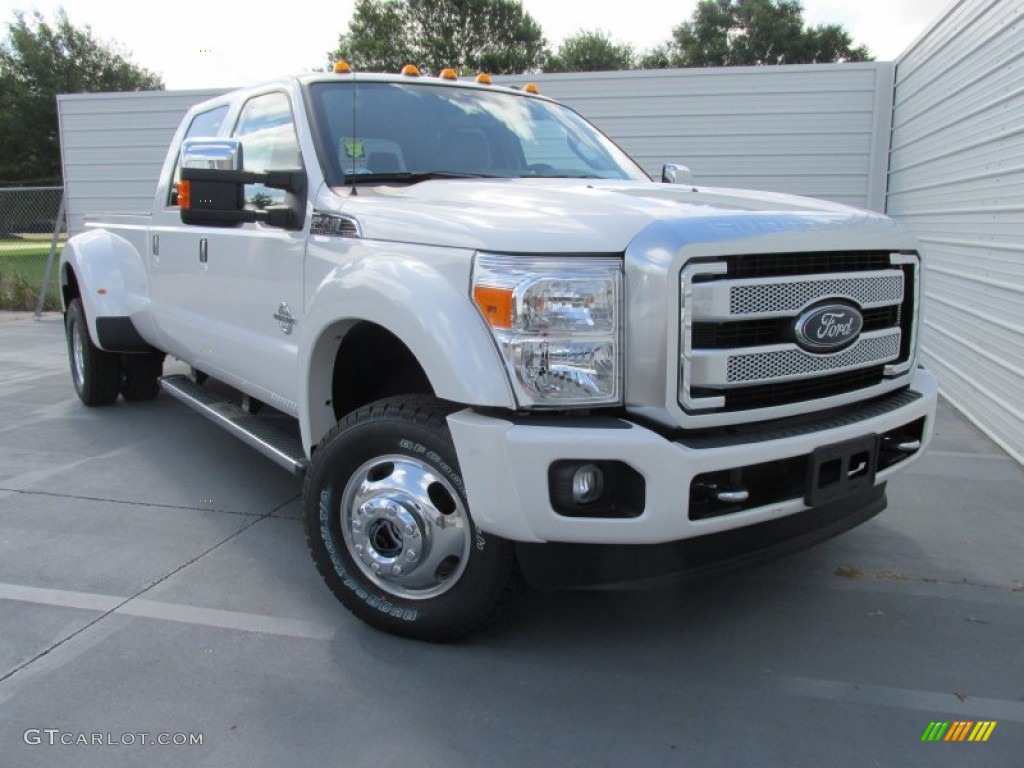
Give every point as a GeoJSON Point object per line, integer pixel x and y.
{"type": "Point", "coordinates": [786, 295]}
{"type": "Point", "coordinates": [738, 340]}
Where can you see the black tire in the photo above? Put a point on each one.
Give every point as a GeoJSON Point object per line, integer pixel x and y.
{"type": "Point", "coordinates": [141, 373]}
{"type": "Point", "coordinates": [95, 373]}
{"type": "Point", "coordinates": [454, 578]}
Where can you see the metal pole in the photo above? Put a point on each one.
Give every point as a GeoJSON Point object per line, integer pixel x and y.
{"type": "Point", "coordinates": [49, 261]}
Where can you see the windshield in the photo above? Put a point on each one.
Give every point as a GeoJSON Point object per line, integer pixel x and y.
{"type": "Point", "coordinates": [410, 132]}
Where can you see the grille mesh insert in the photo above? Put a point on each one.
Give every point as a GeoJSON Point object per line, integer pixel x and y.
{"type": "Point", "coordinates": [792, 297]}
{"type": "Point", "coordinates": [764, 366]}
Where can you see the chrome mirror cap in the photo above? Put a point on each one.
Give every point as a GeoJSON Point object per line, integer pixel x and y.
{"type": "Point", "coordinates": [212, 154]}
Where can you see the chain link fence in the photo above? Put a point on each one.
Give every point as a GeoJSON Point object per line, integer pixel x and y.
{"type": "Point", "coordinates": [28, 219]}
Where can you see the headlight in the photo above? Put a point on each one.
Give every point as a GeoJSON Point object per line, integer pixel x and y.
{"type": "Point", "coordinates": [558, 326]}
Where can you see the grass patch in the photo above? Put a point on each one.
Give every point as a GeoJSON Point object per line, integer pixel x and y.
{"type": "Point", "coordinates": [22, 264]}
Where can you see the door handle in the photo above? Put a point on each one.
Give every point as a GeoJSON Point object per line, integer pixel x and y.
{"type": "Point", "coordinates": [202, 251]}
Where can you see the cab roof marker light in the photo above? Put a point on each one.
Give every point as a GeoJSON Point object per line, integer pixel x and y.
{"type": "Point", "coordinates": [411, 70]}
{"type": "Point", "coordinates": [342, 68]}
{"type": "Point", "coordinates": [449, 74]}
{"type": "Point", "coordinates": [531, 88]}
{"type": "Point", "coordinates": [483, 78]}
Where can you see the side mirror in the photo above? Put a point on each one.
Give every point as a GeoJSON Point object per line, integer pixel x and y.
{"type": "Point", "coordinates": [676, 174]}
{"type": "Point", "coordinates": [212, 187]}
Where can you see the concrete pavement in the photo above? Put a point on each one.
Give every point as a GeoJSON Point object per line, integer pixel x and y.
{"type": "Point", "coordinates": [154, 580]}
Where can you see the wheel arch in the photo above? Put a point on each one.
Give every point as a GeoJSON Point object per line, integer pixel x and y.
{"type": "Point", "coordinates": [98, 267]}
{"type": "Point", "coordinates": [435, 337]}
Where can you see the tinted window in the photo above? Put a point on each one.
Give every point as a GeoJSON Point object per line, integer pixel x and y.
{"type": "Point", "coordinates": [269, 143]}
{"type": "Point", "coordinates": [373, 128]}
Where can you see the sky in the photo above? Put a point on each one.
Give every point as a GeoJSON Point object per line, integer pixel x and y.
{"type": "Point", "coordinates": [210, 44]}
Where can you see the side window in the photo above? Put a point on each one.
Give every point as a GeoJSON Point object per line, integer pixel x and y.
{"type": "Point", "coordinates": [203, 124]}
{"type": "Point", "coordinates": [269, 143]}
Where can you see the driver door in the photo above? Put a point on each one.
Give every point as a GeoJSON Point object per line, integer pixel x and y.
{"type": "Point", "coordinates": [251, 279]}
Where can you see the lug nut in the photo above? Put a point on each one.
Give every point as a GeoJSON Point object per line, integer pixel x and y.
{"type": "Point", "coordinates": [410, 530]}
{"type": "Point", "coordinates": [396, 570]}
{"type": "Point", "coordinates": [359, 549]}
{"type": "Point", "coordinates": [411, 554]}
{"type": "Point", "coordinates": [356, 525]}
{"type": "Point", "coordinates": [376, 567]}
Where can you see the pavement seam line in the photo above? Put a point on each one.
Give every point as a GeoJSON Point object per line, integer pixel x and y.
{"type": "Point", "coordinates": [139, 503]}
{"type": "Point", "coordinates": [144, 590]}
{"type": "Point", "coordinates": [853, 574]}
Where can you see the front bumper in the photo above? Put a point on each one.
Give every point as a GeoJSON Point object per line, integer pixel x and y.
{"type": "Point", "coordinates": [505, 467]}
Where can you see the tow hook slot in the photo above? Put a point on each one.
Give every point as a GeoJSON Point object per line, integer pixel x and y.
{"type": "Point", "coordinates": [840, 469]}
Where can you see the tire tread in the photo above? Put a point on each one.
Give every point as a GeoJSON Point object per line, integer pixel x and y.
{"type": "Point", "coordinates": [102, 374]}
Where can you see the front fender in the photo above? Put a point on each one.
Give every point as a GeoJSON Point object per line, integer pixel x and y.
{"type": "Point", "coordinates": [423, 301]}
{"type": "Point", "coordinates": [111, 278]}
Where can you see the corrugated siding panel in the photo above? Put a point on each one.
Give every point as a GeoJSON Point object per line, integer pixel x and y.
{"type": "Point", "coordinates": [113, 147]}
{"type": "Point", "coordinates": [818, 130]}
{"type": "Point", "coordinates": [957, 178]}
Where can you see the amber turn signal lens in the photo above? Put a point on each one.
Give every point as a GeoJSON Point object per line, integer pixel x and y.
{"type": "Point", "coordinates": [184, 194]}
{"type": "Point", "coordinates": [496, 304]}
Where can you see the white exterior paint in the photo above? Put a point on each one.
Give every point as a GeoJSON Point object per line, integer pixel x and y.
{"type": "Point", "coordinates": [957, 179]}
{"type": "Point", "coordinates": [113, 147]}
{"type": "Point", "coordinates": [819, 130]}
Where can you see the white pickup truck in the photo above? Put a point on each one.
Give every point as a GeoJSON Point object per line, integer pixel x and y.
{"type": "Point", "coordinates": [508, 351]}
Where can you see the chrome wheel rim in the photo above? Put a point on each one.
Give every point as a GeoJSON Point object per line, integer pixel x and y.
{"type": "Point", "coordinates": [405, 527]}
{"type": "Point", "coordinates": [77, 355]}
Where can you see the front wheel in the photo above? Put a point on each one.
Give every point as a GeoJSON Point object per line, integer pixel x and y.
{"type": "Point", "coordinates": [389, 528]}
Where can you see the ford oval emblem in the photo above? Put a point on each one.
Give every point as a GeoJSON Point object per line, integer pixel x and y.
{"type": "Point", "coordinates": [829, 327]}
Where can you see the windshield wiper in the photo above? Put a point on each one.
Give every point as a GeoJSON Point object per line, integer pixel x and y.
{"type": "Point", "coordinates": [563, 176]}
{"type": "Point", "coordinates": [413, 177]}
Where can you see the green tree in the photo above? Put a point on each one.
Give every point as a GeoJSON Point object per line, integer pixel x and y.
{"type": "Point", "coordinates": [495, 36]}
{"type": "Point", "coordinates": [724, 33]}
{"type": "Point", "coordinates": [377, 39]}
{"type": "Point", "coordinates": [591, 51]}
{"type": "Point", "coordinates": [38, 60]}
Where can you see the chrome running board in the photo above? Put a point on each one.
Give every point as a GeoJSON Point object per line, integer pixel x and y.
{"type": "Point", "coordinates": [276, 445]}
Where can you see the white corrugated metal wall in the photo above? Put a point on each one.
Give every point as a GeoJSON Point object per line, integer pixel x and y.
{"type": "Point", "coordinates": [113, 147]}
{"type": "Point", "coordinates": [820, 130]}
{"type": "Point", "coordinates": [957, 179]}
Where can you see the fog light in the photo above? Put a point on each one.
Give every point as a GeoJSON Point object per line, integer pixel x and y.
{"type": "Point", "coordinates": [587, 484]}
{"type": "Point", "coordinates": [595, 488]}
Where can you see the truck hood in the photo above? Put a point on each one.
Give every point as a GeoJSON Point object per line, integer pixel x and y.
{"type": "Point", "coordinates": [575, 215]}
